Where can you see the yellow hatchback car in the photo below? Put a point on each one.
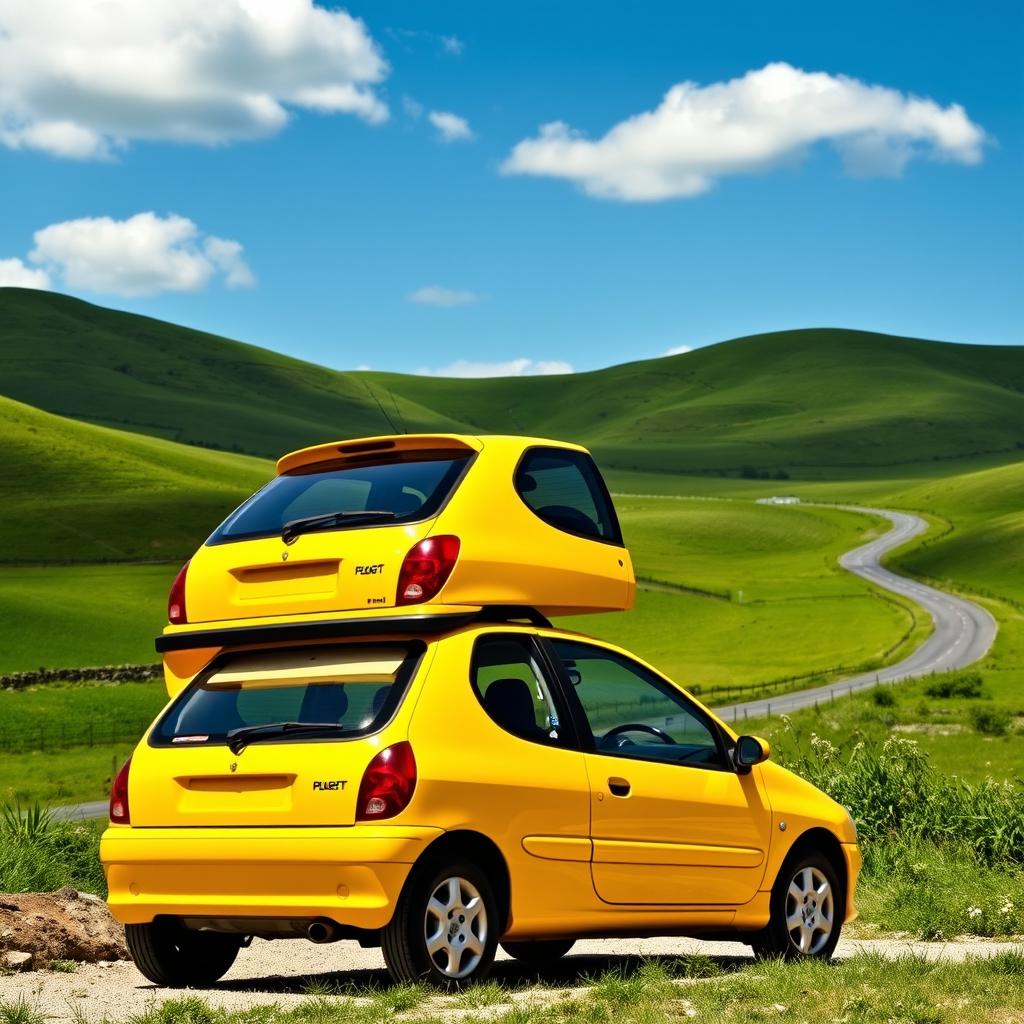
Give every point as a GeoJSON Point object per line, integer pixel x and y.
{"type": "Point", "coordinates": [436, 795]}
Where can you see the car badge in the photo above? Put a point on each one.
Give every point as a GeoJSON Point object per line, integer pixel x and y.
{"type": "Point", "coordinates": [233, 766]}
{"type": "Point", "coordinates": [284, 556]}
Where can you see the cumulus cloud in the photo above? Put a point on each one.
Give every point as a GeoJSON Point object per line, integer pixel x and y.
{"type": "Point", "coordinates": [677, 350]}
{"type": "Point", "coordinates": [80, 80]}
{"type": "Point", "coordinates": [14, 274]}
{"type": "Point", "coordinates": [453, 45]}
{"type": "Point", "coordinates": [521, 367]}
{"type": "Point", "coordinates": [142, 255]}
{"type": "Point", "coordinates": [450, 127]}
{"type": "Point", "coordinates": [701, 133]}
{"type": "Point", "coordinates": [435, 295]}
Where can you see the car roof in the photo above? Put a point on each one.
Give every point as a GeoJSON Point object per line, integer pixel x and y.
{"type": "Point", "coordinates": [358, 450]}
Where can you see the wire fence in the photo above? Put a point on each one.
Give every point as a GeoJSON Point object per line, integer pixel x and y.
{"type": "Point", "coordinates": [65, 735]}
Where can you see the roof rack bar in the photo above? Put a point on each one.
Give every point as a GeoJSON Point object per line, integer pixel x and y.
{"type": "Point", "coordinates": [418, 625]}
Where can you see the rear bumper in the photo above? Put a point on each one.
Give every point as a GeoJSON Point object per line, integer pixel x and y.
{"type": "Point", "coordinates": [852, 856]}
{"type": "Point", "coordinates": [351, 875]}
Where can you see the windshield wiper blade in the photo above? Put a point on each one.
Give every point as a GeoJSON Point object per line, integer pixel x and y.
{"type": "Point", "coordinates": [294, 527]}
{"type": "Point", "coordinates": [239, 739]}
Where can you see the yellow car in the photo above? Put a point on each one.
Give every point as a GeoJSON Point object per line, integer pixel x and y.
{"type": "Point", "coordinates": [412, 522]}
{"type": "Point", "coordinates": [441, 784]}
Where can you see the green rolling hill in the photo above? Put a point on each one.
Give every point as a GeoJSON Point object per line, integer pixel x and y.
{"type": "Point", "coordinates": [816, 404]}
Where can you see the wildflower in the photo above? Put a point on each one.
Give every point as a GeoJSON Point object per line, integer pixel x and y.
{"type": "Point", "coordinates": [974, 912]}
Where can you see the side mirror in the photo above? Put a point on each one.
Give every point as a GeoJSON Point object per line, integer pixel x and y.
{"type": "Point", "coordinates": [750, 750]}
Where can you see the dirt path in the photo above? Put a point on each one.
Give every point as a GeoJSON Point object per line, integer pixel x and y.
{"type": "Point", "coordinates": [284, 972]}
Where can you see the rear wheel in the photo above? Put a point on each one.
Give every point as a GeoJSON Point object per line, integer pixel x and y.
{"type": "Point", "coordinates": [538, 953]}
{"type": "Point", "coordinates": [806, 911]}
{"type": "Point", "coordinates": [445, 928]}
{"type": "Point", "coordinates": [173, 956]}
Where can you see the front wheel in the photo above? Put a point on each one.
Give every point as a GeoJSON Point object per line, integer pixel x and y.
{"type": "Point", "coordinates": [539, 952]}
{"type": "Point", "coordinates": [806, 911]}
{"type": "Point", "coordinates": [445, 928]}
{"type": "Point", "coordinates": [173, 956]}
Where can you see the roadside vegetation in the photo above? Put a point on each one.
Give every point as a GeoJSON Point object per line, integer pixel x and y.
{"type": "Point", "coordinates": [862, 990]}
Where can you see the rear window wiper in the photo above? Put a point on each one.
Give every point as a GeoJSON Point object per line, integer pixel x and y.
{"type": "Point", "coordinates": [294, 527]}
{"type": "Point", "coordinates": [239, 739]}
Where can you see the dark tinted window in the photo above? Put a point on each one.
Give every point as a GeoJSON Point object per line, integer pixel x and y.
{"type": "Point", "coordinates": [632, 712]}
{"type": "Point", "coordinates": [412, 488]}
{"type": "Point", "coordinates": [356, 686]}
{"type": "Point", "coordinates": [512, 688]}
{"type": "Point", "coordinates": [565, 489]}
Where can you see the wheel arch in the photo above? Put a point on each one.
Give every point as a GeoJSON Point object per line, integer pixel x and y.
{"type": "Point", "coordinates": [482, 850]}
{"type": "Point", "coordinates": [820, 840]}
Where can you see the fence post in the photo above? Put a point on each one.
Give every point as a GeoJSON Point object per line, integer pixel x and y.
{"type": "Point", "coordinates": [769, 709]}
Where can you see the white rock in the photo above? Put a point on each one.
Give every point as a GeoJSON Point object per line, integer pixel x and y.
{"type": "Point", "coordinates": [16, 960]}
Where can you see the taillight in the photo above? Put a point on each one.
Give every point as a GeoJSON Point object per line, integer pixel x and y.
{"type": "Point", "coordinates": [119, 812]}
{"type": "Point", "coordinates": [426, 569]}
{"type": "Point", "coordinates": [176, 611]}
{"type": "Point", "coordinates": [388, 783]}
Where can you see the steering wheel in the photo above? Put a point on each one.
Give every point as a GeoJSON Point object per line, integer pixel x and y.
{"type": "Point", "coordinates": [638, 727]}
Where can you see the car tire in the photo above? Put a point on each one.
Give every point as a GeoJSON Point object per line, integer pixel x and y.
{"type": "Point", "coordinates": [444, 931]}
{"type": "Point", "coordinates": [172, 956]}
{"type": "Point", "coordinates": [807, 907]}
{"type": "Point", "coordinates": [538, 953]}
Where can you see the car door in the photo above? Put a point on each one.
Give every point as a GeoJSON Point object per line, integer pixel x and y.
{"type": "Point", "coordinates": [671, 821]}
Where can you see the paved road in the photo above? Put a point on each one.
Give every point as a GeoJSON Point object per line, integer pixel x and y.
{"type": "Point", "coordinates": [962, 635]}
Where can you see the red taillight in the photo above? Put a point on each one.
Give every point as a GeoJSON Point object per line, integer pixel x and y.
{"type": "Point", "coordinates": [176, 612]}
{"type": "Point", "coordinates": [426, 569]}
{"type": "Point", "coordinates": [119, 812]}
{"type": "Point", "coordinates": [388, 783]}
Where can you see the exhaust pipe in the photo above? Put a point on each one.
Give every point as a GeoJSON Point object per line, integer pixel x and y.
{"type": "Point", "coordinates": [322, 931]}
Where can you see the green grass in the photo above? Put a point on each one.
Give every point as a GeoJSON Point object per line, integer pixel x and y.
{"type": "Point", "coordinates": [56, 777]}
{"type": "Point", "coordinates": [865, 989]}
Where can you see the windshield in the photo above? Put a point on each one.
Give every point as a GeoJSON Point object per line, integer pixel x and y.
{"type": "Point", "coordinates": [345, 690]}
{"type": "Point", "coordinates": [404, 488]}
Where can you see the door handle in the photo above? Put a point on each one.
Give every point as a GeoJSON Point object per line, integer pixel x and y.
{"type": "Point", "coordinates": [619, 787]}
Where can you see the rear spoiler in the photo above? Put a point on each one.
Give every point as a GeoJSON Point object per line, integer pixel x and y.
{"type": "Point", "coordinates": [364, 448]}
{"type": "Point", "coordinates": [416, 625]}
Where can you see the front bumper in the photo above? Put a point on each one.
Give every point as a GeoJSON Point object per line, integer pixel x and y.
{"type": "Point", "coordinates": [853, 858]}
{"type": "Point", "coordinates": [352, 875]}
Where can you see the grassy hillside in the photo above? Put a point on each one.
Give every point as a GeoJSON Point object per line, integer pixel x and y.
{"type": "Point", "coordinates": [813, 403]}
{"type": "Point", "coordinates": [72, 491]}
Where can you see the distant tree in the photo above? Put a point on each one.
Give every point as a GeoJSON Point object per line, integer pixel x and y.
{"type": "Point", "coordinates": [781, 474]}
{"type": "Point", "coordinates": [749, 473]}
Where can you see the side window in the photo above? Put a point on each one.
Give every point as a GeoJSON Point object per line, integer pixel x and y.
{"type": "Point", "coordinates": [565, 489]}
{"type": "Point", "coordinates": [512, 689]}
{"type": "Point", "coordinates": [631, 712]}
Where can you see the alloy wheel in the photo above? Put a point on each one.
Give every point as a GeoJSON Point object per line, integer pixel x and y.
{"type": "Point", "coordinates": [455, 927]}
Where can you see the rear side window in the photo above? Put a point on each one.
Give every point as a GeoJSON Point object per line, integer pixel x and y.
{"type": "Point", "coordinates": [565, 489]}
{"type": "Point", "coordinates": [512, 688]}
{"type": "Point", "coordinates": [402, 488]}
{"type": "Point", "coordinates": [356, 687]}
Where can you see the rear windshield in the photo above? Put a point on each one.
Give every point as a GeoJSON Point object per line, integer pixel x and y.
{"type": "Point", "coordinates": [355, 686]}
{"type": "Point", "coordinates": [409, 486]}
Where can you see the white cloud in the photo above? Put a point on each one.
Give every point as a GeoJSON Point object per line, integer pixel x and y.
{"type": "Point", "coordinates": [451, 127]}
{"type": "Point", "coordinates": [677, 350]}
{"type": "Point", "coordinates": [14, 274]}
{"type": "Point", "coordinates": [412, 107]}
{"type": "Point", "coordinates": [521, 367]}
{"type": "Point", "coordinates": [700, 133]}
{"type": "Point", "coordinates": [453, 45]}
{"type": "Point", "coordinates": [82, 79]}
{"type": "Point", "coordinates": [435, 295]}
{"type": "Point", "coordinates": [142, 255]}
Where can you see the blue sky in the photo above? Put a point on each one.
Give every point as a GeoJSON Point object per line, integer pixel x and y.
{"type": "Point", "coordinates": [343, 216]}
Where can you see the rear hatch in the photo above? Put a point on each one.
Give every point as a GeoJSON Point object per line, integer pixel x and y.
{"type": "Point", "coordinates": [329, 532]}
{"type": "Point", "coordinates": [304, 722]}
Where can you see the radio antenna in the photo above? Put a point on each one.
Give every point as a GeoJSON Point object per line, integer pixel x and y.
{"type": "Point", "coordinates": [398, 412]}
{"type": "Point", "coordinates": [383, 411]}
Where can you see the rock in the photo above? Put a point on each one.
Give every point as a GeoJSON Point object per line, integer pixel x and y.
{"type": "Point", "coordinates": [63, 925]}
{"type": "Point", "coordinates": [17, 960]}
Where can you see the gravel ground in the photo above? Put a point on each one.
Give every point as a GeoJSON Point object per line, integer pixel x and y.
{"type": "Point", "coordinates": [281, 972]}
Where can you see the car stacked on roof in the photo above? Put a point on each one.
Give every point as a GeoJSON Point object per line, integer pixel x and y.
{"type": "Point", "coordinates": [375, 733]}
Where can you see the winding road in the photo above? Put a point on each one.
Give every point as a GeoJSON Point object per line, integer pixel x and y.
{"type": "Point", "coordinates": [962, 635]}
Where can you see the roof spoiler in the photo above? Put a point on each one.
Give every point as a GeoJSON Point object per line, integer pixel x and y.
{"type": "Point", "coordinates": [361, 449]}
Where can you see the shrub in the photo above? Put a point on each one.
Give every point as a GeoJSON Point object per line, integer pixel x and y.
{"type": "Point", "coordinates": [990, 721]}
{"type": "Point", "coordinates": [955, 684]}
{"type": "Point", "coordinates": [883, 697]}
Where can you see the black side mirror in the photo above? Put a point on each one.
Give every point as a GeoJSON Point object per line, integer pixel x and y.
{"type": "Point", "coordinates": [750, 750]}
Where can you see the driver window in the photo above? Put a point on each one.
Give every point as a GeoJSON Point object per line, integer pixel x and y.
{"type": "Point", "coordinates": [633, 713]}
